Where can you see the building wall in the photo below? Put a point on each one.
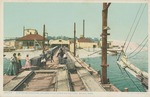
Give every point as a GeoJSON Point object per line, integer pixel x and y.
{"type": "Point", "coordinates": [82, 45]}
{"type": "Point", "coordinates": [59, 42]}
{"type": "Point", "coordinates": [30, 31]}
{"type": "Point", "coordinates": [10, 43]}
{"type": "Point", "coordinates": [109, 44]}
{"type": "Point", "coordinates": [30, 45]}
{"type": "Point", "coordinates": [86, 45]}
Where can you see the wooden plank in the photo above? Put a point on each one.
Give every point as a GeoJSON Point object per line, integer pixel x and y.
{"type": "Point", "coordinates": [62, 81]}
{"type": "Point", "coordinates": [7, 79]}
{"type": "Point", "coordinates": [74, 60]}
{"type": "Point", "coordinates": [89, 82]}
{"type": "Point", "coordinates": [45, 71]}
{"type": "Point", "coordinates": [16, 81]}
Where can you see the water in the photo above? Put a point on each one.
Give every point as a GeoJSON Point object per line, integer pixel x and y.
{"type": "Point", "coordinates": [118, 76]}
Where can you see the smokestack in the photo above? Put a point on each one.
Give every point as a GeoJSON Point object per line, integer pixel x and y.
{"type": "Point", "coordinates": [83, 28]}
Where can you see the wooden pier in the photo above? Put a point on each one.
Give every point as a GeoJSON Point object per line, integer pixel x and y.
{"type": "Point", "coordinates": [57, 77]}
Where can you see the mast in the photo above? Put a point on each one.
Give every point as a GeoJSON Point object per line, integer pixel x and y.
{"type": "Point", "coordinates": [104, 43]}
{"type": "Point", "coordinates": [74, 39]}
{"type": "Point", "coordinates": [43, 37]}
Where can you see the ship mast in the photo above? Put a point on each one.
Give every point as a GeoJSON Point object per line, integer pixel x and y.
{"type": "Point", "coordinates": [104, 43]}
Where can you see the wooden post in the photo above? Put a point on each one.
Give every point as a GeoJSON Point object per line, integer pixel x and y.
{"type": "Point", "coordinates": [83, 28]}
{"type": "Point", "coordinates": [126, 89]}
{"type": "Point", "coordinates": [23, 31]}
{"type": "Point", "coordinates": [104, 43]}
{"type": "Point", "coordinates": [74, 39]}
{"type": "Point", "coordinates": [43, 37]}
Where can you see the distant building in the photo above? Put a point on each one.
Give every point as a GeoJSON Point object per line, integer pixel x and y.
{"type": "Point", "coordinates": [10, 44]}
{"type": "Point", "coordinates": [109, 44]}
{"type": "Point", "coordinates": [30, 31]}
{"type": "Point", "coordinates": [83, 42]}
{"type": "Point", "coordinates": [31, 41]}
{"type": "Point", "coordinates": [59, 42]}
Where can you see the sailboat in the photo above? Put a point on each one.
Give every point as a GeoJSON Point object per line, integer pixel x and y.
{"type": "Point", "coordinates": [132, 69]}
{"type": "Point", "coordinates": [123, 59]}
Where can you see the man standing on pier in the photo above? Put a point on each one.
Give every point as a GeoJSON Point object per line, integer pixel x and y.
{"type": "Point", "coordinates": [51, 56]}
{"type": "Point", "coordinates": [60, 55]}
{"type": "Point", "coordinates": [43, 59]}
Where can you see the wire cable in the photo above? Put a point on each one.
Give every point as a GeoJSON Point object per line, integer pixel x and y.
{"type": "Point", "coordinates": [139, 50]}
{"type": "Point", "coordinates": [135, 28]}
{"type": "Point", "coordinates": [138, 46]}
{"type": "Point", "coordinates": [130, 30]}
{"type": "Point", "coordinates": [132, 81]}
{"type": "Point", "coordinates": [132, 24]}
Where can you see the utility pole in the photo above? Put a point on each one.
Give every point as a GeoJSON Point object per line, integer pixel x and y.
{"type": "Point", "coordinates": [83, 28]}
{"type": "Point", "coordinates": [43, 37]}
{"type": "Point", "coordinates": [23, 31]}
{"type": "Point", "coordinates": [104, 43]}
{"type": "Point", "coordinates": [74, 39]}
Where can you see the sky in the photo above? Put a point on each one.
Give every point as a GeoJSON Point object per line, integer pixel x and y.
{"type": "Point", "coordinates": [59, 19]}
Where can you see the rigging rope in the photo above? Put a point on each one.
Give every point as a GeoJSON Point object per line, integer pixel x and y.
{"type": "Point", "coordinates": [132, 81]}
{"type": "Point", "coordinates": [135, 28]}
{"type": "Point", "coordinates": [130, 31]}
{"type": "Point", "coordinates": [122, 73]}
{"type": "Point", "coordinates": [139, 50]}
{"type": "Point", "coordinates": [132, 25]}
{"type": "Point", "coordinates": [138, 46]}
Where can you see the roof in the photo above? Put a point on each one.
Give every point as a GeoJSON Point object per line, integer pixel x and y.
{"type": "Point", "coordinates": [31, 37]}
{"type": "Point", "coordinates": [83, 39]}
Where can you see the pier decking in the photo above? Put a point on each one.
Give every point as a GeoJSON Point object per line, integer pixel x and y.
{"type": "Point", "coordinates": [57, 77]}
{"type": "Point", "coordinates": [17, 81]}
{"type": "Point", "coordinates": [62, 81]}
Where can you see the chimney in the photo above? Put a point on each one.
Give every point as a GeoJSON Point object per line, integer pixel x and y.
{"type": "Point", "coordinates": [83, 28]}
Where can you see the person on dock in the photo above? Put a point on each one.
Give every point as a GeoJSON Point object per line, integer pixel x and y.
{"type": "Point", "coordinates": [43, 60]}
{"type": "Point", "coordinates": [51, 56]}
{"type": "Point", "coordinates": [60, 56]}
{"type": "Point", "coordinates": [65, 58]}
{"type": "Point", "coordinates": [12, 69]}
{"type": "Point", "coordinates": [19, 66]}
{"type": "Point", "coordinates": [27, 64]}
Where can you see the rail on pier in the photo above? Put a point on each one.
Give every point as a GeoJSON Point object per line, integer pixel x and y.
{"type": "Point", "coordinates": [16, 82]}
{"type": "Point", "coordinates": [90, 84]}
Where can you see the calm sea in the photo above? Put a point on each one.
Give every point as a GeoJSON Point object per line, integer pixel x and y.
{"type": "Point", "coordinates": [118, 76]}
